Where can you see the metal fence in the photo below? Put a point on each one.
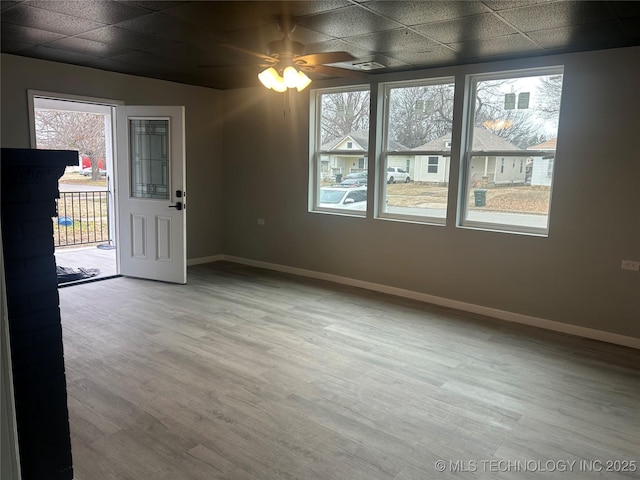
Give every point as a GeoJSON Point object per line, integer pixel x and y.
{"type": "Point", "coordinates": [83, 218]}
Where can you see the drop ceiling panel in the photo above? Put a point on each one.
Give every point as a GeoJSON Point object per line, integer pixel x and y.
{"type": "Point", "coordinates": [256, 38]}
{"type": "Point", "coordinates": [57, 55]}
{"type": "Point", "coordinates": [348, 22]}
{"type": "Point", "coordinates": [164, 26]}
{"type": "Point", "coordinates": [498, 5]}
{"type": "Point", "coordinates": [585, 36]}
{"type": "Point", "coordinates": [102, 11]}
{"type": "Point", "coordinates": [122, 37]}
{"type": "Point", "coordinates": [467, 28]}
{"type": "Point", "coordinates": [631, 28]}
{"type": "Point", "coordinates": [221, 16]}
{"type": "Point", "coordinates": [156, 5]}
{"type": "Point", "coordinates": [556, 15]}
{"type": "Point", "coordinates": [88, 47]}
{"type": "Point", "coordinates": [184, 41]}
{"type": "Point", "coordinates": [499, 47]}
{"type": "Point", "coordinates": [400, 39]}
{"type": "Point", "coordinates": [417, 13]}
{"type": "Point", "coordinates": [19, 33]}
{"type": "Point", "coordinates": [301, 9]}
{"type": "Point", "coordinates": [46, 20]}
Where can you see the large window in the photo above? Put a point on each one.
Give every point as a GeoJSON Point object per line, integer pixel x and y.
{"type": "Point", "coordinates": [418, 119]}
{"type": "Point", "coordinates": [340, 126]}
{"type": "Point", "coordinates": [511, 145]}
{"type": "Point", "coordinates": [504, 166]}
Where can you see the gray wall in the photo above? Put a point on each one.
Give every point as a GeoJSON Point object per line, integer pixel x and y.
{"type": "Point", "coordinates": [260, 157]}
{"type": "Point", "coordinates": [203, 113]}
{"type": "Point", "coordinates": [573, 276]}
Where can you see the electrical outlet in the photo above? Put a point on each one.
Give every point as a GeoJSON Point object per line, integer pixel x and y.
{"type": "Point", "coordinates": [261, 221]}
{"type": "Point", "coordinates": [631, 265]}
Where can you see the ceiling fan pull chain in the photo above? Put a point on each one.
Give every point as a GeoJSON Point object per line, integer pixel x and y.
{"type": "Point", "coordinates": [286, 103]}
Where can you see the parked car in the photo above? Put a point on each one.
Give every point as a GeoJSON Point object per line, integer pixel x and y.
{"type": "Point", "coordinates": [348, 198]}
{"type": "Point", "coordinates": [349, 176]}
{"type": "Point", "coordinates": [87, 172]}
{"type": "Point", "coordinates": [353, 182]}
{"type": "Point", "coordinates": [85, 163]}
{"type": "Point", "coordinates": [397, 175]}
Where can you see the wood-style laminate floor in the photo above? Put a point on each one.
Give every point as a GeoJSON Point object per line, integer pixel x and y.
{"type": "Point", "coordinates": [248, 374]}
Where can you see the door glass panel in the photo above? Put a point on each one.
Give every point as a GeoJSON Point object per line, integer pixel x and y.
{"type": "Point", "coordinates": [149, 158]}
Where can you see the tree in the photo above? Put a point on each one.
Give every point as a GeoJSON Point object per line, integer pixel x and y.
{"type": "Point", "coordinates": [343, 113]}
{"type": "Point", "coordinates": [522, 125]}
{"type": "Point", "coordinates": [65, 130]}
{"type": "Point", "coordinates": [550, 94]}
{"type": "Point", "coordinates": [418, 115]}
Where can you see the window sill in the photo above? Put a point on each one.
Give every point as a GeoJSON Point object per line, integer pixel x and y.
{"type": "Point", "coordinates": [501, 228]}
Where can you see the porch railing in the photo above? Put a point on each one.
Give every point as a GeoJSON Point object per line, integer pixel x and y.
{"type": "Point", "coordinates": [83, 218]}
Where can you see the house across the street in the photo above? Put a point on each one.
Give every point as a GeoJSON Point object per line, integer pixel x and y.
{"type": "Point", "coordinates": [432, 167]}
{"type": "Point", "coordinates": [542, 170]}
{"type": "Point", "coordinates": [340, 161]}
{"type": "Point", "coordinates": [485, 170]}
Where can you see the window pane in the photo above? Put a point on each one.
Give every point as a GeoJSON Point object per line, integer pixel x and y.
{"type": "Point", "coordinates": [512, 190]}
{"type": "Point", "coordinates": [420, 115]}
{"type": "Point", "coordinates": [516, 204]}
{"type": "Point", "coordinates": [420, 119]}
{"type": "Point", "coordinates": [516, 113]}
{"type": "Point", "coordinates": [406, 197]}
{"type": "Point", "coordinates": [149, 145]}
{"type": "Point", "coordinates": [342, 154]}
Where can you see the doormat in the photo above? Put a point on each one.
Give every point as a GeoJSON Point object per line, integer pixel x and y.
{"type": "Point", "coordinates": [68, 274]}
{"type": "Point", "coordinates": [106, 246]}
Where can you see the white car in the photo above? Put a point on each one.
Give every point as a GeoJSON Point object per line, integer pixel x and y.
{"type": "Point", "coordinates": [347, 198]}
{"type": "Point", "coordinates": [87, 172]}
{"type": "Point", "coordinates": [397, 175]}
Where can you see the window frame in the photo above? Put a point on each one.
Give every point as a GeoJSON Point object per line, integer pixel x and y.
{"type": "Point", "coordinates": [315, 152]}
{"type": "Point", "coordinates": [467, 153]}
{"type": "Point", "coordinates": [385, 152]}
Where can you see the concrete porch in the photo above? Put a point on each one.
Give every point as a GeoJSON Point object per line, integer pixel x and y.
{"type": "Point", "coordinates": [88, 257]}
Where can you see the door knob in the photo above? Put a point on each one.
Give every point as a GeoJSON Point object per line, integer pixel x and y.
{"type": "Point", "coordinates": [177, 206]}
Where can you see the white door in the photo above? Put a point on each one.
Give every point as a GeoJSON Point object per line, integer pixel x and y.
{"type": "Point", "coordinates": [151, 193]}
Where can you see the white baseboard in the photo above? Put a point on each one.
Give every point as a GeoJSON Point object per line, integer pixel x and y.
{"type": "Point", "coordinates": [441, 301]}
{"type": "Point", "coordinates": [198, 261]}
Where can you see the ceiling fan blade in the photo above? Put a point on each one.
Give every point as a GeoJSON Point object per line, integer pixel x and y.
{"type": "Point", "coordinates": [322, 58]}
{"type": "Point", "coordinates": [261, 56]}
{"type": "Point", "coordinates": [261, 65]}
{"type": "Point", "coordinates": [332, 71]}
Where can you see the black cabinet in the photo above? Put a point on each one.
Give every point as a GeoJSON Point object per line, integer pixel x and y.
{"type": "Point", "coordinates": [29, 189]}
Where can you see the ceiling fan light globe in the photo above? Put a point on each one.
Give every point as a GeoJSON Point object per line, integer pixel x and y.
{"type": "Point", "coordinates": [279, 84]}
{"type": "Point", "coordinates": [268, 77]}
{"type": "Point", "coordinates": [290, 75]}
{"type": "Point", "coordinates": [303, 81]}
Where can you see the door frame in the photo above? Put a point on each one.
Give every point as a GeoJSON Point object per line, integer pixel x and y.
{"type": "Point", "coordinates": [100, 104]}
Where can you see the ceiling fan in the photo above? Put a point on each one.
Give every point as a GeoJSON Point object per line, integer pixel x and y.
{"type": "Point", "coordinates": [286, 63]}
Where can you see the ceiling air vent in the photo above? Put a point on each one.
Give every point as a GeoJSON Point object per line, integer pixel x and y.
{"type": "Point", "coordinates": [369, 65]}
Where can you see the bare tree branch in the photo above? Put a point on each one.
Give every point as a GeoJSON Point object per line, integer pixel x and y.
{"type": "Point", "coordinates": [64, 130]}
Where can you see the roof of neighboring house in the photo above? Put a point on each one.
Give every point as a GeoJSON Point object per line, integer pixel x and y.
{"type": "Point", "coordinates": [361, 137]}
{"type": "Point", "coordinates": [483, 139]}
{"type": "Point", "coordinates": [548, 145]}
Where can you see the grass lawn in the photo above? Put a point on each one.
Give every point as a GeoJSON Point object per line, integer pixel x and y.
{"type": "Point", "coordinates": [86, 213]}
{"type": "Point", "coordinates": [515, 199]}
{"type": "Point", "coordinates": [76, 178]}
